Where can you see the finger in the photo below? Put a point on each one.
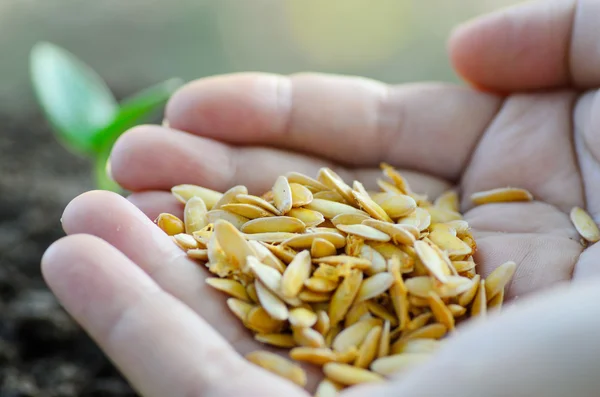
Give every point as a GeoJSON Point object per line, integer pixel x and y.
{"type": "Point", "coordinates": [535, 45]}
{"type": "Point", "coordinates": [542, 346]}
{"type": "Point", "coordinates": [115, 220]}
{"type": "Point", "coordinates": [588, 265]}
{"type": "Point", "coordinates": [160, 345]}
{"type": "Point", "coordinates": [529, 146]}
{"type": "Point", "coordinates": [175, 157]}
{"type": "Point", "coordinates": [587, 145]}
{"type": "Point", "coordinates": [357, 122]}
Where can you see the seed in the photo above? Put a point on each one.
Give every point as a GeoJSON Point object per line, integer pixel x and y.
{"type": "Point", "coordinates": [322, 324]}
{"type": "Point", "coordinates": [185, 241]}
{"type": "Point", "coordinates": [357, 312]}
{"type": "Point", "coordinates": [260, 321]}
{"type": "Point", "coordinates": [364, 231]}
{"type": "Point", "coordinates": [420, 218]}
{"type": "Point", "coordinates": [319, 284]}
{"type": "Point", "coordinates": [286, 254]}
{"type": "Point", "coordinates": [321, 247]}
{"type": "Point", "coordinates": [463, 266]}
{"type": "Point", "coordinates": [301, 195]}
{"type": "Point", "coordinates": [330, 209]}
{"type": "Point", "coordinates": [309, 217]}
{"type": "Point", "coordinates": [374, 286]}
{"type": "Point", "coordinates": [440, 311]}
{"type": "Point", "coordinates": [399, 234]}
{"type": "Point", "coordinates": [500, 195]}
{"type": "Point", "coordinates": [391, 365]}
{"type": "Point", "coordinates": [185, 192]}
{"type": "Point", "coordinates": [458, 310]}
{"type": "Point", "coordinates": [249, 211]}
{"type": "Point", "coordinates": [368, 205]}
{"type": "Point", "coordinates": [278, 365]}
{"type": "Point", "coordinates": [230, 287]}
{"type": "Point", "coordinates": [327, 388]}
{"type": "Point", "coordinates": [344, 296]}
{"type": "Point", "coordinates": [336, 183]}
{"type": "Point", "coordinates": [354, 335]}
{"type": "Point", "coordinates": [170, 224]}
{"type": "Point", "coordinates": [266, 257]}
{"type": "Point", "coordinates": [349, 261]}
{"type": "Point", "coordinates": [467, 297]}
{"type": "Point", "coordinates": [585, 225]}
{"type": "Point", "coordinates": [233, 243]}
{"type": "Point", "coordinates": [426, 346]}
{"type": "Point", "coordinates": [278, 340]}
{"type": "Point", "coordinates": [236, 220]}
{"type": "Point", "coordinates": [397, 205]}
{"type": "Point", "coordinates": [349, 219]}
{"type": "Point", "coordinates": [270, 237]}
{"type": "Point", "coordinates": [302, 317]}
{"type": "Point", "coordinates": [378, 262]}
{"type": "Point", "coordinates": [251, 291]}
{"type": "Point", "coordinates": [230, 196]}
{"type": "Point", "coordinates": [496, 302]}
{"type": "Point", "coordinates": [380, 311]}
{"type": "Point", "coordinates": [274, 224]}
{"type": "Point", "coordinates": [479, 307]}
{"type": "Point", "coordinates": [271, 279]}
{"type": "Point", "coordinates": [499, 278]}
{"type": "Point", "coordinates": [282, 195]}
{"type": "Point", "coordinates": [421, 286]}
{"type": "Point", "coordinates": [270, 302]}
{"type": "Point", "coordinates": [449, 243]}
{"type": "Point", "coordinates": [199, 254]}
{"type": "Point", "coordinates": [330, 195]}
{"type": "Point", "coordinates": [431, 331]}
{"type": "Point", "coordinates": [349, 375]}
{"type": "Point", "coordinates": [296, 177]}
{"type": "Point", "coordinates": [309, 296]}
{"type": "Point", "coordinates": [368, 349]}
{"type": "Point", "coordinates": [296, 274]}
{"type": "Point", "coordinates": [308, 337]}
{"type": "Point", "coordinates": [304, 241]}
{"type": "Point", "coordinates": [314, 355]}
{"type": "Point", "coordinates": [240, 308]}
{"type": "Point", "coordinates": [419, 321]}
{"type": "Point", "coordinates": [432, 261]}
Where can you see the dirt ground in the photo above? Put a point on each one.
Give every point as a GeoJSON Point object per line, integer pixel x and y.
{"type": "Point", "coordinates": [43, 353]}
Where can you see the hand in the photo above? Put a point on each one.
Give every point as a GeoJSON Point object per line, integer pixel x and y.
{"type": "Point", "coordinates": [149, 309]}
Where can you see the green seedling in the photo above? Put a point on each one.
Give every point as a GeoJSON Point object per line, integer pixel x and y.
{"type": "Point", "coordinates": [84, 114]}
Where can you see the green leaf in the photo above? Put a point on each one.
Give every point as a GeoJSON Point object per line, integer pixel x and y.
{"type": "Point", "coordinates": [74, 98]}
{"type": "Point", "coordinates": [101, 174]}
{"type": "Point", "coordinates": [136, 109]}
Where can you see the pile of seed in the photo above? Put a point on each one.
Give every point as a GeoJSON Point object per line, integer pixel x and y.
{"type": "Point", "coordinates": [361, 283]}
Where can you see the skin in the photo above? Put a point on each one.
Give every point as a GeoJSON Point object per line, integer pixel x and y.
{"type": "Point", "coordinates": [531, 118]}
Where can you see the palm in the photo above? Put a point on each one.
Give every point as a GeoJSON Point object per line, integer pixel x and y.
{"type": "Point", "coordinates": [249, 129]}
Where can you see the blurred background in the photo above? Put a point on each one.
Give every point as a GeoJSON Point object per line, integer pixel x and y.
{"type": "Point", "coordinates": [133, 44]}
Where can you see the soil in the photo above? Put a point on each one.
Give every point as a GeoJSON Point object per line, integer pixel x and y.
{"type": "Point", "coordinates": [43, 352]}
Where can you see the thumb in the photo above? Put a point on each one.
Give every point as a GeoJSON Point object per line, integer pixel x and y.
{"type": "Point", "coordinates": [535, 45]}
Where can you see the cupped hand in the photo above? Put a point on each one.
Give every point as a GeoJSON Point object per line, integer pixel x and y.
{"type": "Point", "coordinates": [533, 122]}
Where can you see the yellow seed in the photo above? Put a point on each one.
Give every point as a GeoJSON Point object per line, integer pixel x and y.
{"type": "Point", "coordinates": [357, 312]}
{"type": "Point", "coordinates": [355, 334]}
{"type": "Point", "coordinates": [185, 241]}
{"type": "Point", "coordinates": [458, 310]}
{"type": "Point", "coordinates": [302, 317]}
{"type": "Point", "coordinates": [296, 274]}
{"type": "Point", "coordinates": [380, 311]}
{"type": "Point", "coordinates": [270, 302]}
{"type": "Point", "coordinates": [240, 308]}
{"type": "Point", "coordinates": [417, 346]}
{"type": "Point", "coordinates": [451, 244]}
{"type": "Point", "coordinates": [314, 355]}
{"type": "Point", "coordinates": [432, 261]}
{"type": "Point", "coordinates": [249, 211]}
{"type": "Point", "coordinates": [230, 196]}
{"type": "Point", "coordinates": [496, 302]}
{"type": "Point", "coordinates": [500, 195]}
{"type": "Point", "coordinates": [333, 181]}
{"type": "Point", "coordinates": [282, 195]}
{"type": "Point", "coordinates": [197, 253]}
{"type": "Point", "coordinates": [344, 296]}
{"type": "Point", "coordinates": [499, 278]}
{"type": "Point", "coordinates": [349, 375]}
{"type": "Point", "coordinates": [328, 388]}
{"type": "Point", "coordinates": [419, 321]}
{"type": "Point", "coordinates": [330, 195]}
{"type": "Point", "coordinates": [319, 284]}
{"type": "Point", "coordinates": [301, 195]}
{"type": "Point", "coordinates": [397, 206]}
{"type": "Point", "coordinates": [304, 241]}
{"type": "Point", "coordinates": [260, 321]}
{"type": "Point", "coordinates": [321, 247]}
{"type": "Point", "coordinates": [278, 365]}
{"type": "Point", "coordinates": [322, 324]}
{"type": "Point", "coordinates": [278, 340]}
{"type": "Point", "coordinates": [440, 311]}
{"type": "Point", "coordinates": [392, 365]}
{"type": "Point", "coordinates": [448, 200]}
{"type": "Point", "coordinates": [296, 177]}
{"type": "Point", "coordinates": [330, 209]}
{"type": "Point", "coordinates": [170, 224]}
{"type": "Point", "coordinates": [479, 307]}
{"type": "Point", "coordinates": [349, 219]}
{"type": "Point", "coordinates": [251, 291]}
{"type": "Point", "coordinates": [309, 217]}
{"type": "Point", "coordinates": [585, 225]}
{"type": "Point", "coordinates": [185, 192]}
{"type": "Point", "coordinates": [420, 218]}
{"type": "Point", "coordinates": [194, 215]}
{"type": "Point", "coordinates": [467, 297]}
{"type": "Point", "coordinates": [236, 220]}
{"type": "Point", "coordinates": [309, 296]}
{"type": "Point", "coordinates": [230, 287]}
{"type": "Point", "coordinates": [368, 205]}
{"type": "Point", "coordinates": [384, 341]}
{"type": "Point", "coordinates": [368, 349]}
{"type": "Point", "coordinates": [308, 337]}
{"type": "Point", "coordinates": [374, 286]}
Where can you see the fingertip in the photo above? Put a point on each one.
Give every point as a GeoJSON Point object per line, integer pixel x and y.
{"type": "Point", "coordinates": [82, 211]}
